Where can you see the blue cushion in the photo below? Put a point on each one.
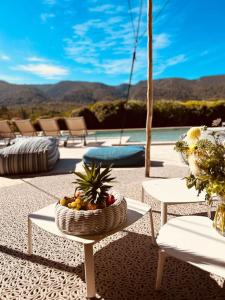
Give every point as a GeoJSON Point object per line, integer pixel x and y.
{"type": "Point", "coordinates": [118, 156]}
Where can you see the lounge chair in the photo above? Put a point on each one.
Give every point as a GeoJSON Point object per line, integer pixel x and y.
{"type": "Point", "coordinates": [6, 133]}
{"type": "Point", "coordinates": [25, 127]}
{"type": "Point", "coordinates": [77, 128]}
{"type": "Point", "coordinates": [49, 127]}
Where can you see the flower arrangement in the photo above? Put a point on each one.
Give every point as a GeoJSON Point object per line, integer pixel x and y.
{"type": "Point", "coordinates": [205, 153]}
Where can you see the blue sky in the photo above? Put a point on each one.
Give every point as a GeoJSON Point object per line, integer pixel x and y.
{"type": "Point", "coordinates": [46, 41]}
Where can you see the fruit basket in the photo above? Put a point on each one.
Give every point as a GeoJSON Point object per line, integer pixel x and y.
{"type": "Point", "coordinates": [95, 208]}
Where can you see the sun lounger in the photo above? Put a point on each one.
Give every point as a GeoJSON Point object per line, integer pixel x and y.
{"type": "Point", "coordinates": [6, 133]}
{"type": "Point", "coordinates": [25, 127]}
{"type": "Point", "coordinates": [77, 128]}
{"type": "Point", "coordinates": [49, 127]}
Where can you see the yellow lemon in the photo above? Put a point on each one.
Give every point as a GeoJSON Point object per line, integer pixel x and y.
{"type": "Point", "coordinates": [63, 202]}
{"type": "Point", "coordinates": [78, 206]}
{"type": "Point", "coordinates": [73, 204]}
{"type": "Point", "coordinates": [78, 201]}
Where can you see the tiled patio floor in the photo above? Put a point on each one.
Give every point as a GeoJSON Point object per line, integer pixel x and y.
{"type": "Point", "coordinates": [125, 263]}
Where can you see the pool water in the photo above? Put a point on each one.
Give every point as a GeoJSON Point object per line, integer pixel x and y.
{"type": "Point", "coordinates": [139, 135]}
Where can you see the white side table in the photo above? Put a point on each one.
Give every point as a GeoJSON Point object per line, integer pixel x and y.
{"type": "Point", "coordinates": [169, 192]}
{"type": "Point", "coordinates": [45, 219]}
{"type": "Point", "coordinates": [194, 240]}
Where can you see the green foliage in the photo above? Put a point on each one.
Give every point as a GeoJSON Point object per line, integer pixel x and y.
{"type": "Point", "coordinates": [189, 113]}
{"type": "Point", "coordinates": [181, 146]}
{"type": "Point", "coordinates": [93, 183]}
{"type": "Point", "coordinates": [209, 158]}
{"type": "Point", "coordinates": [118, 114]}
{"type": "Point", "coordinates": [109, 114]}
{"type": "Point", "coordinates": [89, 116]}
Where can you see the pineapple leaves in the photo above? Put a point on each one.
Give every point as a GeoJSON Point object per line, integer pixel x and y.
{"type": "Point", "coordinates": [94, 183]}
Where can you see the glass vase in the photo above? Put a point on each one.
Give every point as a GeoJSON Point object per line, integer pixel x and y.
{"type": "Point", "coordinates": [219, 219]}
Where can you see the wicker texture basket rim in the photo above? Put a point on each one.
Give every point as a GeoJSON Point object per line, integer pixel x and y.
{"type": "Point", "coordinates": [86, 222]}
{"type": "Point", "coordinates": [117, 201]}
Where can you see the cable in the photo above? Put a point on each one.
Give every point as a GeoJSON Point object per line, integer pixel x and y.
{"type": "Point", "coordinates": [131, 16]}
{"type": "Point", "coordinates": [162, 9]}
{"type": "Point", "coordinates": [156, 17]}
{"type": "Point", "coordinates": [136, 40]}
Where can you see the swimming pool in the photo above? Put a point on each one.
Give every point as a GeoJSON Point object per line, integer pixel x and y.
{"type": "Point", "coordinates": [138, 135]}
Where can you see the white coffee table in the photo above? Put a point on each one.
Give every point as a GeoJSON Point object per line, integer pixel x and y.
{"type": "Point", "coordinates": [169, 192]}
{"type": "Point", "coordinates": [45, 219]}
{"type": "Point", "coordinates": [194, 240]}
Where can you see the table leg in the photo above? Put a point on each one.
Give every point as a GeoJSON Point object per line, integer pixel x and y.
{"type": "Point", "coordinates": [209, 213]}
{"type": "Point", "coordinates": [152, 228]}
{"type": "Point", "coordinates": [161, 261]}
{"type": "Point", "coordinates": [29, 237]}
{"type": "Point", "coordinates": [163, 213]}
{"type": "Point", "coordinates": [85, 143]}
{"type": "Point", "coordinates": [142, 194]}
{"type": "Point", "coordinates": [89, 270]}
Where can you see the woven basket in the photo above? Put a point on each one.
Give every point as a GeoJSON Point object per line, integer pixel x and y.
{"type": "Point", "coordinates": [88, 222]}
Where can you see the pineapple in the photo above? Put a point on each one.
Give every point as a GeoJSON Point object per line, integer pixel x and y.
{"type": "Point", "coordinates": [93, 185]}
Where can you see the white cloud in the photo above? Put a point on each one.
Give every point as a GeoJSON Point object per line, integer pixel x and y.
{"type": "Point", "coordinates": [176, 60]}
{"type": "Point", "coordinates": [36, 59]}
{"type": "Point", "coordinates": [161, 41]}
{"type": "Point", "coordinates": [107, 8]}
{"type": "Point", "coordinates": [49, 2]}
{"type": "Point", "coordinates": [114, 20]}
{"type": "Point", "coordinates": [47, 71]}
{"type": "Point", "coordinates": [161, 66]}
{"type": "Point", "coordinates": [86, 48]}
{"type": "Point", "coordinates": [134, 10]}
{"type": "Point", "coordinates": [83, 28]}
{"type": "Point", "coordinates": [101, 8]}
{"type": "Point", "coordinates": [116, 66]}
{"type": "Point", "coordinates": [45, 16]}
{"type": "Point", "coordinates": [82, 51]}
{"type": "Point", "coordinates": [4, 57]}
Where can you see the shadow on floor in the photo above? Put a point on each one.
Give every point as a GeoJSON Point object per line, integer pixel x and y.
{"type": "Point", "coordinates": [63, 166]}
{"type": "Point", "coordinates": [126, 269]}
{"type": "Point", "coordinates": [89, 144]}
{"type": "Point", "coordinates": [155, 163]}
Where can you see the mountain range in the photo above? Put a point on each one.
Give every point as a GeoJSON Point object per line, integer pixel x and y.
{"type": "Point", "coordinates": [204, 88]}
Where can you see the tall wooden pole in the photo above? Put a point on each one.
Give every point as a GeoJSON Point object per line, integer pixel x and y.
{"type": "Point", "coordinates": [149, 93]}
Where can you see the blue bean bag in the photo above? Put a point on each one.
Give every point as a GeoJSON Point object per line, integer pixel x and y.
{"type": "Point", "coordinates": [118, 156]}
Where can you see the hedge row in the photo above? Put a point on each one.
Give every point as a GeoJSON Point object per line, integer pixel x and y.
{"type": "Point", "coordinates": [116, 114]}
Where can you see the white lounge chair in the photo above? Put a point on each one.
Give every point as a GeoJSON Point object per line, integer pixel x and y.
{"type": "Point", "coordinates": [25, 127]}
{"type": "Point", "coordinates": [77, 128]}
{"type": "Point", "coordinates": [49, 127]}
{"type": "Point", "coordinates": [6, 133]}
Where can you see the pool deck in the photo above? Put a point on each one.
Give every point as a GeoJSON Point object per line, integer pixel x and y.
{"type": "Point", "coordinates": [125, 262]}
{"type": "Point", "coordinates": [160, 152]}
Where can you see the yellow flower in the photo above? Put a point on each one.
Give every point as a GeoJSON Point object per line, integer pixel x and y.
{"type": "Point", "coordinates": [191, 148]}
{"type": "Point", "coordinates": [194, 133]}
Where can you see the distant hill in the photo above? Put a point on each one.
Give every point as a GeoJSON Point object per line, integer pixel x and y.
{"type": "Point", "coordinates": [205, 88]}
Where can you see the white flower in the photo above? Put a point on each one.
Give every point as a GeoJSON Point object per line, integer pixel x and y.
{"type": "Point", "coordinates": [192, 161]}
